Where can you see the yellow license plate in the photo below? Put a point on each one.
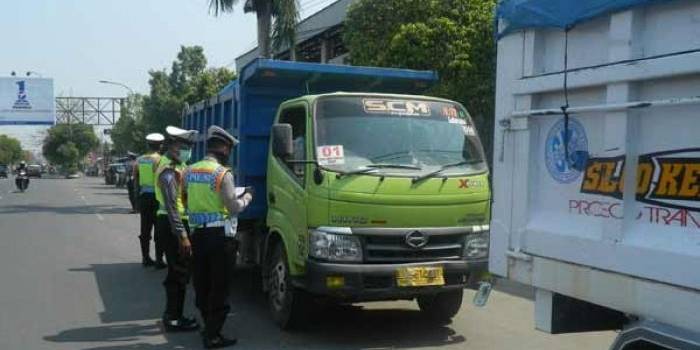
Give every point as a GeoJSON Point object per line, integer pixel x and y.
{"type": "Point", "coordinates": [420, 276]}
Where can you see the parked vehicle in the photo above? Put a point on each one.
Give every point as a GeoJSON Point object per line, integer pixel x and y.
{"type": "Point", "coordinates": [602, 254]}
{"type": "Point", "coordinates": [3, 171]}
{"type": "Point", "coordinates": [34, 170]}
{"type": "Point", "coordinates": [92, 170]}
{"type": "Point", "coordinates": [115, 174]}
{"type": "Point", "coordinates": [361, 196]}
{"type": "Point", "coordinates": [22, 180]}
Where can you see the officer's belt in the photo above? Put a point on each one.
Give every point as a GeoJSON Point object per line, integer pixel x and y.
{"type": "Point", "coordinates": [212, 224]}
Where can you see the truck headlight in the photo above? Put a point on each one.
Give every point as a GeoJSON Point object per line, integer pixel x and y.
{"type": "Point", "coordinates": [334, 244]}
{"type": "Point", "coordinates": [476, 245]}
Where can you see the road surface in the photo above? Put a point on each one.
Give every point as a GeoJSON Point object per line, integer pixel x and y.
{"type": "Point", "coordinates": [70, 278]}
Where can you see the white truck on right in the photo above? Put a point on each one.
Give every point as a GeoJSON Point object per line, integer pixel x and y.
{"type": "Point", "coordinates": [596, 170]}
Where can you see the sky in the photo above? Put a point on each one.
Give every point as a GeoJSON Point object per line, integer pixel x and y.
{"type": "Point", "coordinates": [79, 42]}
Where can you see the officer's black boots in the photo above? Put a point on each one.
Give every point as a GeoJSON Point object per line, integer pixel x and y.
{"type": "Point", "coordinates": [159, 258]}
{"type": "Point", "coordinates": [145, 253]}
{"type": "Point", "coordinates": [160, 264]}
{"type": "Point", "coordinates": [218, 342]}
{"type": "Point", "coordinates": [182, 324]}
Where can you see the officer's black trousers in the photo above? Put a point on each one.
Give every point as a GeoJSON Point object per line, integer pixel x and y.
{"type": "Point", "coordinates": [132, 194]}
{"type": "Point", "coordinates": [179, 269]}
{"type": "Point", "coordinates": [148, 207]}
{"type": "Point", "coordinates": [214, 259]}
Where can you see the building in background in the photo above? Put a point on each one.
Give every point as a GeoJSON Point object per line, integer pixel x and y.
{"type": "Point", "coordinates": [319, 38]}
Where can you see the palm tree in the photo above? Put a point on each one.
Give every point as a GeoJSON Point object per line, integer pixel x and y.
{"type": "Point", "coordinates": [282, 14]}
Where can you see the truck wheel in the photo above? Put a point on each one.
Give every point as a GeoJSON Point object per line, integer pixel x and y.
{"type": "Point", "coordinates": [287, 304]}
{"type": "Point", "coordinates": [441, 307]}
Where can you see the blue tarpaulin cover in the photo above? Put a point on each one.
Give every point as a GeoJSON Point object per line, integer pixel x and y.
{"type": "Point", "coordinates": [521, 14]}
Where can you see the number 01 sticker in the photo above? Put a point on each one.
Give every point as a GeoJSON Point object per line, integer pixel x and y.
{"type": "Point", "coordinates": [330, 155]}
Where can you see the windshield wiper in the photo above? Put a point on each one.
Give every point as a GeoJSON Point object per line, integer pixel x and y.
{"type": "Point", "coordinates": [374, 167]}
{"type": "Point", "coordinates": [442, 168]}
{"type": "Point", "coordinates": [394, 166]}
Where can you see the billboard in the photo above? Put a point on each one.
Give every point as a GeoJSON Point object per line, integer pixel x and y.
{"type": "Point", "coordinates": [26, 101]}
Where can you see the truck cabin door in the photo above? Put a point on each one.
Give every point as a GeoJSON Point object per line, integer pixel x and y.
{"type": "Point", "coordinates": [288, 195]}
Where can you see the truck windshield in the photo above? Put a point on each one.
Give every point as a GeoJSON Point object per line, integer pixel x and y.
{"type": "Point", "coordinates": [411, 136]}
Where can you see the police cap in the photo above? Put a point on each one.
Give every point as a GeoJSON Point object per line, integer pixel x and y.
{"type": "Point", "coordinates": [176, 134]}
{"type": "Point", "coordinates": [155, 138]}
{"type": "Point", "coordinates": [216, 133]}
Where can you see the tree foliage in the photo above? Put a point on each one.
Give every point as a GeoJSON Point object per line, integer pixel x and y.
{"type": "Point", "coordinates": [188, 81]}
{"type": "Point", "coordinates": [128, 135]}
{"type": "Point", "coordinates": [453, 37]}
{"type": "Point", "coordinates": [10, 150]}
{"type": "Point", "coordinates": [277, 21]}
{"type": "Point", "coordinates": [67, 144]}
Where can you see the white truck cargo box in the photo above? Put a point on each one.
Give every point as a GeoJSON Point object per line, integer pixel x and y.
{"type": "Point", "coordinates": [599, 208]}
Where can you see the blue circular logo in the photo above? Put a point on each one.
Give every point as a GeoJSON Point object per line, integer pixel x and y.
{"type": "Point", "coordinates": [563, 170]}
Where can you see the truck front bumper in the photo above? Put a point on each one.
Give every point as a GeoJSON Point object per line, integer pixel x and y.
{"type": "Point", "coordinates": [370, 282]}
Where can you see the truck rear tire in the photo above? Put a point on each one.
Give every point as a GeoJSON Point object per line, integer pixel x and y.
{"type": "Point", "coordinates": [441, 307]}
{"type": "Point", "coordinates": [288, 304]}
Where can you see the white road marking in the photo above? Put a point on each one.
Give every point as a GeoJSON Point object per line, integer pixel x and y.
{"type": "Point", "coordinates": [99, 216]}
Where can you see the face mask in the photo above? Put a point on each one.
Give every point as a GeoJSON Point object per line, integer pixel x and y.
{"type": "Point", "coordinates": [185, 155]}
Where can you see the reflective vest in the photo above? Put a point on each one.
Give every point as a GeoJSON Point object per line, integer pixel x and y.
{"type": "Point", "coordinates": [203, 183]}
{"type": "Point", "coordinates": [147, 165]}
{"type": "Point", "coordinates": [166, 163]}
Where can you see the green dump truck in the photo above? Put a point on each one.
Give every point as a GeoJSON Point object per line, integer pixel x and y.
{"type": "Point", "coordinates": [370, 195]}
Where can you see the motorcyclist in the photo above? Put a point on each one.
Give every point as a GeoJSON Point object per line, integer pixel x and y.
{"type": "Point", "coordinates": [22, 166]}
{"type": "Point", "coordinates": [21, 175]}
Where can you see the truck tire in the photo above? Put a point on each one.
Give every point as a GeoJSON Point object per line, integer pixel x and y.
{"type": "Point", "coordinates": [441, 307]}
{"type": "Point", "coordinates": [288, 304]}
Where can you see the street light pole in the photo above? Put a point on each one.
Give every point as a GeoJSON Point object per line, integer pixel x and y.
{"type": "Point", "coordinates": [131, 95]}
{"type": "Point", "coordinates": [118, 84]}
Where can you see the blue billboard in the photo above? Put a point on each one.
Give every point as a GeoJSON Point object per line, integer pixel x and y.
{"type": "Point", "coordinates": [27, 101]}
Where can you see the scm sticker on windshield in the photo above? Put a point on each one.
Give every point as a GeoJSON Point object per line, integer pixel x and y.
{"type": "Point", "coordinates": [330, 155]}
{"type": "Point", "coordinates": [397, 107]}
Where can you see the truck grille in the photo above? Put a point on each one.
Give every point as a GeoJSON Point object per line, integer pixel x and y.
{"type": "Point", "coordinates": [391, 247]}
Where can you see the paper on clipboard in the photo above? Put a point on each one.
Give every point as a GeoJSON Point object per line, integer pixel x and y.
{"type": "Point", "coordinates": [231, 227]}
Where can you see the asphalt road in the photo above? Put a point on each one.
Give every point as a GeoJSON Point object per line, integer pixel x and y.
{"type": "Point", "coordinates": [70, 278]}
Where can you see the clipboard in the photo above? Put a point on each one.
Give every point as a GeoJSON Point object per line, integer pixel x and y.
{"type": "Point", "coordinates": [240, 191]}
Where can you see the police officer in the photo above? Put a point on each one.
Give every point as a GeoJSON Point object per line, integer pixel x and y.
{"type": "Point", "coordinates": [213, 208]}
{"type": "Point", "coordinates": [144, 182]}
{"type": "Point", "coordinates": [172, 229]}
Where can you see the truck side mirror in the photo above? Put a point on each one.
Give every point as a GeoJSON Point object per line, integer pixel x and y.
{"type": "Point", "coordinates": [282, 141]}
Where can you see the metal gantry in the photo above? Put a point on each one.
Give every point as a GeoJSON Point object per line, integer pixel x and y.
{"type": "Point", "coordinates": [89, 110]}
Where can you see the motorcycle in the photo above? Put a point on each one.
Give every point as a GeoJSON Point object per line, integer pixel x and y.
{"type": "Point", "coordinates": [22, 180]}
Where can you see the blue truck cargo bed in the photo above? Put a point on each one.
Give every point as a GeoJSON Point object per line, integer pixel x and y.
{"type": "Point", "coordinates": [247, 106]}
